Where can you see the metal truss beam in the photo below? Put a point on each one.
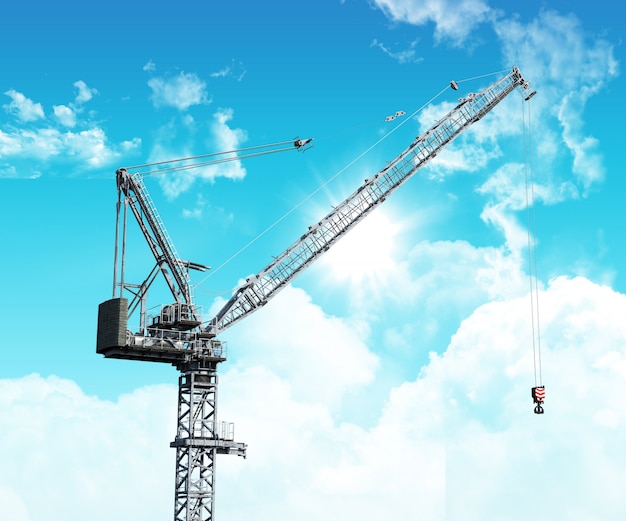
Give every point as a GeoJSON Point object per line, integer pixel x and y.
{"type": "Point", "coordinates": [199, 438]}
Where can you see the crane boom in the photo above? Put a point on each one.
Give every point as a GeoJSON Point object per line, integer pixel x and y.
{"type": "Point", "coordinates": [260, 288]}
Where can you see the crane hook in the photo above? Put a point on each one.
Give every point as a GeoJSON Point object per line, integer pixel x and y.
{"type": "Point", "coordinates": [539, 395]}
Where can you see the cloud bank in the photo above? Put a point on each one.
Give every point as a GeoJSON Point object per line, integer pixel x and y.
{"type": "Point", "coordinates": [458, 442]}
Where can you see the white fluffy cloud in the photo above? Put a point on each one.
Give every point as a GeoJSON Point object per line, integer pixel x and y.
{"type": "Point", "coordinates": [303, 464]}
{"type": "Point", "coordinates": [84, 93]}
{"type": "Point", "coordinates": [67, 138]}
{"type": "Point", "coordinates": [12, 506]}
{"type": "Point", "coordinates": [64, 453]}
{"type": "Point", "coordinates": [407, 55]}
{"type": "Point", "coordinates": [480, 144]}
{"type": "Point", "coordinates": [564, 63]}
{"type": "Point", "coordinates": [462, 442]}
{"type": "Point", "coordinates": [90, 146]}
{"type": "Point", "coordinates": [26, 110]}
{"type": "Point", "coordinates": [223, 138]}
{"type": "Point", "coordinates": [571, 455]}
{"type": "Point", "coordinates": [453, 19]}
{"type": "Point", "coordinates": [65, 115]}
{"type": "Point", "coordinates": [418, 293]}
{"type": "Point", "coordinates": [9, 144]}
{"type": "Point", "coordinates": [299, 340]}
{"type": "Point", "coordinates": [181, 91]}
{"type": "Point", "coordinates": [22, 107]}
{"type": "Point", "coordinates": [459, 442]}
{"type": "Point", "coordinates": [568, 67]}
{"type": "Point", "coordinates": [235, 70]}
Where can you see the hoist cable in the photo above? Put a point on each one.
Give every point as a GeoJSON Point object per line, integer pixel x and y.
{"type": "Point", "coordinates": [534, 220]}
{"type": "Point", "coordinates": [322, 186]}
{"type": "Point", "coordinates": [532, 248]}
{"type": "Point", "coordinates": [530, 264]}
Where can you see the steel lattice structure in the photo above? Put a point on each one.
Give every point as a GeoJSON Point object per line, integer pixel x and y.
{"type": "Point", "coordinates": [176, 335]}
{"type": "Point", "coordinates": [320, 237]}
{"type": "Point", "coordinates": [199, 439]}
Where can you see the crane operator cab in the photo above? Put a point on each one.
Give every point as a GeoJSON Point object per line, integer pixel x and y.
{"type": "Point", "coordinates": [178, 316]}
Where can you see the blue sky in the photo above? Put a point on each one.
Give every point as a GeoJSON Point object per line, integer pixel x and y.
{"type": "Point", "coordinates": [393, 377]}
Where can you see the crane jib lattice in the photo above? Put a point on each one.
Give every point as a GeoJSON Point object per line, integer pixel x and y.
{"type": "Point", "coordinates": [320, 237]}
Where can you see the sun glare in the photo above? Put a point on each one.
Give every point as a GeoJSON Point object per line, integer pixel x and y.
{"type": "Point", "coordinates": [365, 254]}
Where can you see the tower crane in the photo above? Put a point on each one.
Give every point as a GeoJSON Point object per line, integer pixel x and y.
{"type": "Point", "coordinates": [178, 335]}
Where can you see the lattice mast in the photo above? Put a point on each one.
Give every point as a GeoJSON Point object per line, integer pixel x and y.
{"type": "Point", "coordinates": [176, 335]}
